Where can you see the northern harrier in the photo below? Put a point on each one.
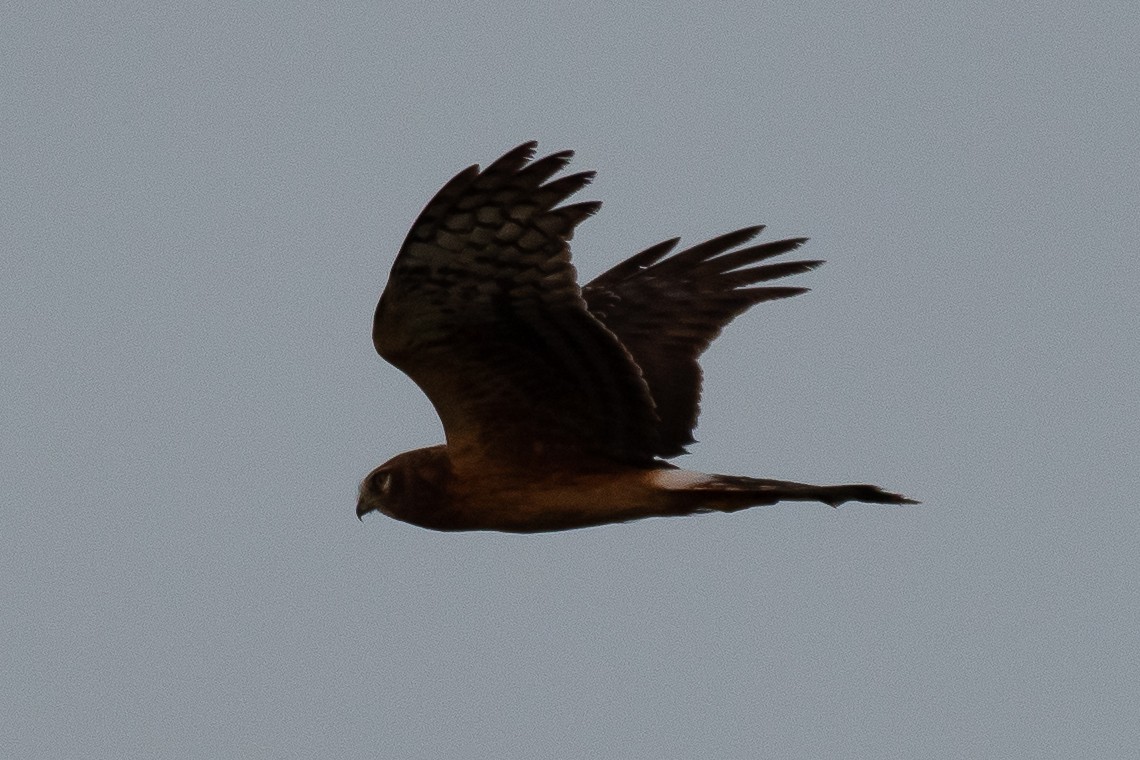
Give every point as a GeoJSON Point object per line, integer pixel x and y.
{"type": "Point", "coordinates": [559, 403]}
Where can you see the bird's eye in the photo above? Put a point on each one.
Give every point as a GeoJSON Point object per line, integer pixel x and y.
{"type": "Point", "coordinates": [383, 483]}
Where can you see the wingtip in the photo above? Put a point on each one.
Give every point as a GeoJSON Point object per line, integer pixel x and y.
{"type": "Point", "coordinates": [563, 155]}
{"type": "Point", "coordinates": [747, 233]}
{"type": "Point", "coordinates": [530, 149]}
{"type": "Point", "coordinates": [517, 157]}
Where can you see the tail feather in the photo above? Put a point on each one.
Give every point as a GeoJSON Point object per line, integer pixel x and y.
{"type": "Point", "coordinates": [731, 493]}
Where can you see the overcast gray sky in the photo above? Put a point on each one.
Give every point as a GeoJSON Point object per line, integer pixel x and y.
{"type": "Point", "coordinates": [200, 207]}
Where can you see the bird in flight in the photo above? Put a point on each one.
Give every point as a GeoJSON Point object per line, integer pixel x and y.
{"type": "Point", "coordinates": [560, 403]}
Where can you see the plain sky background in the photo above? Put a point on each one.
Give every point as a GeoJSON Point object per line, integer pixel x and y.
{"type": "Point", "coordinates": [199, 208]}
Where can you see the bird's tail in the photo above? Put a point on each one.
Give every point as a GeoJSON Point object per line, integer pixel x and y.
{"type": "Point", "coordinates": [731, 493]}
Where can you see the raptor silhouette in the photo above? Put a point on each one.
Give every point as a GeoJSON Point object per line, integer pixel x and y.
{"type": "Point", "coordinates": [560, 404]}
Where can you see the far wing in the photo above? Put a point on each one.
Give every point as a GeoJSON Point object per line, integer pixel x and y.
{"type": "Point", "coordinates": [482, 310]}
{"type": "Point", "coordinates": [666, 311]}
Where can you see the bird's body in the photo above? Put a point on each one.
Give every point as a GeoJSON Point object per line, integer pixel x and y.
{"type": "Point", "coordinates": [434, 495]}
{"type": "Point", "coordinates": [560, 404]}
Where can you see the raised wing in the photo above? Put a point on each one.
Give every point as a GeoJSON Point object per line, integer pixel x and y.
{"type": "Point", "coordinates": [666, 311]}
{"type": "Point", "coordinates": [482, 310]}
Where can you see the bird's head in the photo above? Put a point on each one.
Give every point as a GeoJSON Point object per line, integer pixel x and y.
{"type": "Point", "coordinates": [411, 487]}
{"type": "Point", "coordinates": [377, 491]}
